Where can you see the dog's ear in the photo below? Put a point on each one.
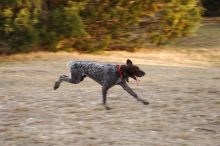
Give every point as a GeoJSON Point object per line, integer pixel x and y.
{"type": "Point", "coordinates": [129, 62]}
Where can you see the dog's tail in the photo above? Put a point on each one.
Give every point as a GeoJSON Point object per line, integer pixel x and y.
{"type": "Point", "coordinates": [69, 64]}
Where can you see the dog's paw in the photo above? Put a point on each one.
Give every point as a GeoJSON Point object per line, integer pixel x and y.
{"type": "Point", "coordinates": [145, 102]}
{"type": "Point", "coordinates": [56, 85]}
{"type": "Point", "coordinates": [107, 108]}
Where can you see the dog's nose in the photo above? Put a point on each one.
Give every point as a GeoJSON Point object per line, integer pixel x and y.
{"type": "Point", "coordinates": [143, 73]}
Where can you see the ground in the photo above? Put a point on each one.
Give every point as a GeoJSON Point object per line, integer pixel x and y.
{"type": "Point", "coordinates": [184, 104]}
{"type": "Point", "coordinates": [182, 85]}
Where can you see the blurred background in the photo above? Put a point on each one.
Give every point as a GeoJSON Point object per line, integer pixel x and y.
{"type": "Point", "coordinates": [97, 25]}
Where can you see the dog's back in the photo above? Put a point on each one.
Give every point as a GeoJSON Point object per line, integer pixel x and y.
{"type": "Point", "coordinates": [104, 74]}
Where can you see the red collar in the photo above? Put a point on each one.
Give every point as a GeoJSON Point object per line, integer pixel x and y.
{"type": "Point", "coordinates": [119, 71]}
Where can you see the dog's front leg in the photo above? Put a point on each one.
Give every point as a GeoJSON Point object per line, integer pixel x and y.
{"type": "Point", "coordinates": [132, 93]}
{"type": "Point", "coordinates": [104, 97]}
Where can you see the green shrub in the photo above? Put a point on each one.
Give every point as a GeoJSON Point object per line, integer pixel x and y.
{"type": "Point", "coordinates": [89, 25]}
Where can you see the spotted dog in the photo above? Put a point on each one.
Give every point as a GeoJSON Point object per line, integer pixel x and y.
{"type": "Point", "coordinates": [107, 75]}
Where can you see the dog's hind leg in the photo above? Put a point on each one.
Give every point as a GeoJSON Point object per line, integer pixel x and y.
{"type": "Point", "coordinates": [62, 78]}
{"type": "Point", "coordinates": [132, 93]}
{"type": "Point", "coordinates": [75, 78]}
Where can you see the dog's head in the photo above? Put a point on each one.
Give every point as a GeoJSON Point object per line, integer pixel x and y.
{"type": "Point", "coordinates": [131, 70]}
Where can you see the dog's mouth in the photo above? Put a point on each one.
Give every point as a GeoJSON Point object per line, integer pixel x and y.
{"type": "Point", "coordinates": [135, 74]}
{"type": "Point", "coordinates": [135, 78]}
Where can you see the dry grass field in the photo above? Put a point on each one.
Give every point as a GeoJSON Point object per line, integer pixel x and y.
{"type": "Point", "coordinates": [182, 86]}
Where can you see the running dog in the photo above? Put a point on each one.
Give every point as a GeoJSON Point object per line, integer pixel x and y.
{"type": "Point", "coordinates": [107, 75]}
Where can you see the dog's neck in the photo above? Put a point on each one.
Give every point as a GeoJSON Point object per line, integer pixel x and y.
{"type": "Point", "coordinates": [119, 71]}
{"type": "Point", "coordinates": [123, 72]}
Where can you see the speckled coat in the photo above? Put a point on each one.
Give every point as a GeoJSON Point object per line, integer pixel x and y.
{"type": "Point", "coordinates": [107, 75]}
